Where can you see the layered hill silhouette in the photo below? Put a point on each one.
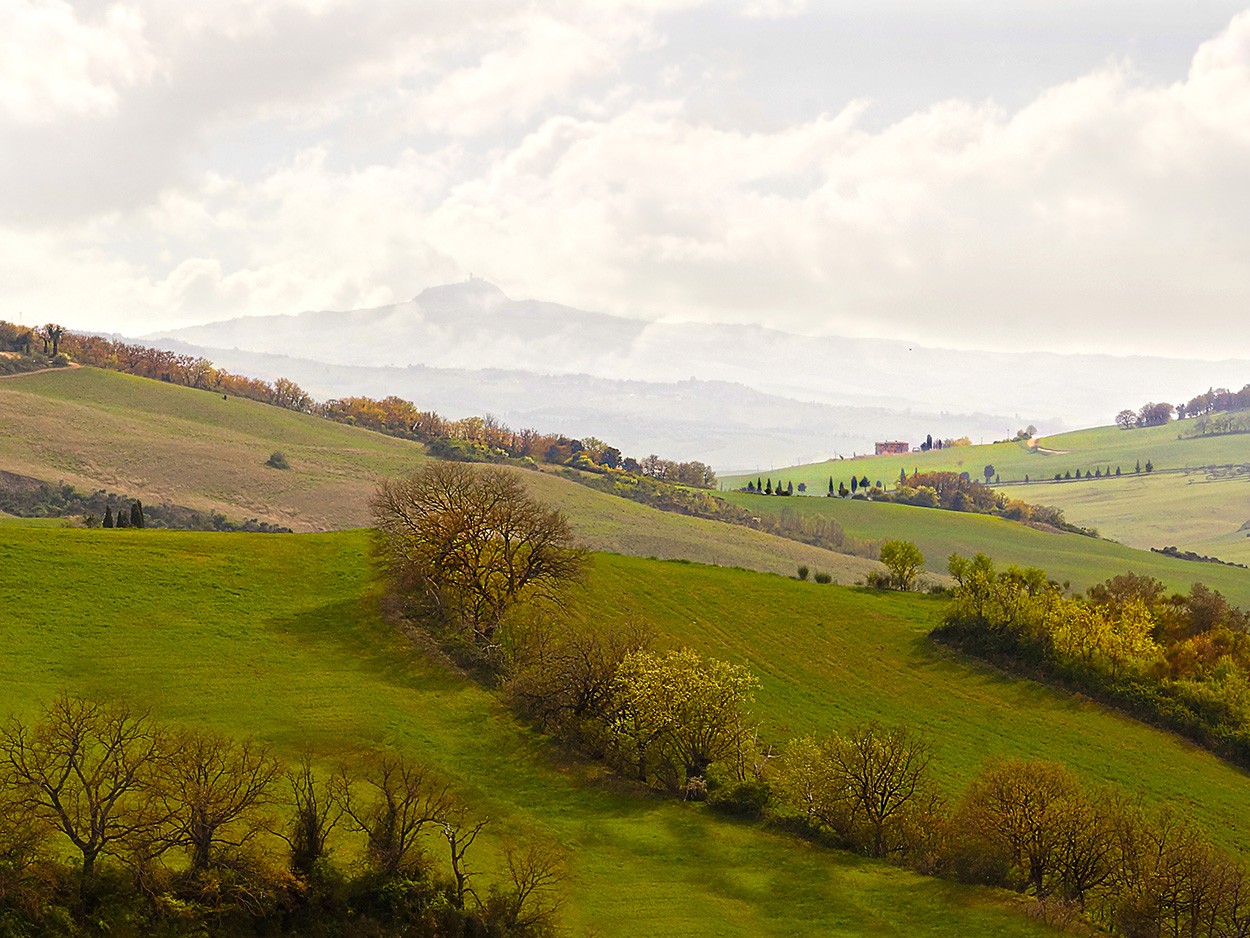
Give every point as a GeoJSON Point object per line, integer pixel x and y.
{"type": "Point", "coordinates": [739, 397]}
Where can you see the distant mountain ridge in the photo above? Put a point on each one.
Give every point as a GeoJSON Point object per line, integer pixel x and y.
{"type": "Point", "coordinates": [473, 327]}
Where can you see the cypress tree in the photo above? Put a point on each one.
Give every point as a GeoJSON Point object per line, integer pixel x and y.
{"type": "Point", "coordinates": [768, 487]}
{"type": "Point", "coordinates": [750, 487]}
{"type": "Point", "coordinates": [123, 518]}
{"type": "Point", "coordinates": [136, 514]}
{"type": "Point", "coordinates": [789, 488]}
{"type": "Point", "coordinates": [854, 484]}
{"type": "Point", "coordinates": [108, 516]}
{"type": "Point", "coordinates": [863, 483]}
{"type": "Point", "coordinates": [831, 486]}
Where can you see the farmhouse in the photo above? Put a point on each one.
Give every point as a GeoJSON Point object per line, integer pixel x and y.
{"type": "Point", "coordinates": [890, 447]}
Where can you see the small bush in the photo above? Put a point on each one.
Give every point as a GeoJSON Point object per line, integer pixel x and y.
{"type": "Point", "coordinates": [823, 578]}
{"type": "Point", "coordinates": [803, 572]}
{"type": "Point", "coordinates": [278, 461]}
{"type": "Point", "coordinates": [746, 799]}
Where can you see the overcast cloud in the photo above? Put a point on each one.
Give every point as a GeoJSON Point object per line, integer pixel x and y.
{"type": "Point", "coordinates": [1068, 176]}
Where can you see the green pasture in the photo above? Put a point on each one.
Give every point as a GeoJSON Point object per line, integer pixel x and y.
{"type": "Point", "coordinates": [828, 656]}
{"type": "Point", "coordinates": [277, 636]}
{"type": "Point", "coordinates": [1081, 561]}
{"type": "Point", "coordinates": [1087, 450]}
{"type": "Point", "coordinates": [1203, 510]}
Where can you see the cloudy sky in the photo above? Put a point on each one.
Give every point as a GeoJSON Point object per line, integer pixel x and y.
{"type": "Point", "coordinates": [1036, 174]}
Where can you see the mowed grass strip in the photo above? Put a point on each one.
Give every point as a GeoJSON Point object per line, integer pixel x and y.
{"type": "Point", "coordinates": [277, 636]}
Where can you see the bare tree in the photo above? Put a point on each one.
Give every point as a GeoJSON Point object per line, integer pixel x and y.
{"type": "Point", "coordinates": [317, 812]}
{"type": "Point", "coordinates": [90, 770]}
{"type": "Point", "coordinates": [216, 790]}
{"type": "Point", "coordinates": [536, 871]}
{"type": "Point", "coordinates": [468, 544]}
{"type": "Point", "coordinates": [460, 831]}
{"type": "Point", "coordinates": [391, 804]}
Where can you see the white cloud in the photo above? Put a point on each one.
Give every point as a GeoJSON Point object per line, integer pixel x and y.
{"type": "Point", "coordinates": [54, 62]}
{"type": "Point", "coordinates": [529, 152]}
{"type": "Point", "coordinates": [773, 9]}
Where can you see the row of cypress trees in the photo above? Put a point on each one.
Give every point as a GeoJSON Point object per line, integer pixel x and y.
{"type": "Point", "coordinates": [124, 519]}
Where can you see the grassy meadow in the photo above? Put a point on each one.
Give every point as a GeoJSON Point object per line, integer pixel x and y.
{"type": "Point", "coordinates": [1082, 561]}
{"type": "Point", "coordinates": [277, 636]}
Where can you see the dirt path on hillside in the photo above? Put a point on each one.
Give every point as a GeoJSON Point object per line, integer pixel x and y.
{"type": "Point", "coordinates": [39, 371]}
{"type": "Point", "coordinates": [1032, 444]}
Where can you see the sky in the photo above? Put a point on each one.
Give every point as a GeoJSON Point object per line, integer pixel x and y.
{"type": "Point", "coordinates": [1042, 174]}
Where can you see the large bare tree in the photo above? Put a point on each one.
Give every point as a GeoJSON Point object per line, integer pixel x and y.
{"type": "Point", "coordinates": [468, 543]}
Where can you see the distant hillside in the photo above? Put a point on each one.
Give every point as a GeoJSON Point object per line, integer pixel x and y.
{"type": "Point", "coordinates": [474, 327]}
{"type": "Point", "coordinates": [159, 442]}
{"type": "Point", "coordinates": [1195, 498]}
{"type": "Point", "coordinates": [721, 423]}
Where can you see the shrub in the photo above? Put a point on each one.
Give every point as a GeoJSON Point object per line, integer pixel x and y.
{"type": "Point", "coordinates": [823, 578]}
{"type": "Point", "coordinates": [803, 571]}
{"type": "Point", "coordinates": [277, 461]}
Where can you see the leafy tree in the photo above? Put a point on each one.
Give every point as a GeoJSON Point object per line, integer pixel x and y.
{"type": "Point", "coordinates": [843, 491]}
{"type": "Point", "coordinates": [1126, 419]}
{"type": "Point", "coordinates": [802, 488]}
{"type": "Point", "coordinates": [863, 482]}
{"type": "Point", "coordinates": [468, 544]}
{"type": "Point", "coordinates": [903, 559]}
{"type": "Point", "coordinates": [988, 472]}
{"type": "Point", "coordinates": [1016, 811]}
{"type": "Point", "coordinates": [679, 713]}
{"type": "Point", "coordinates": [871, 787]}
{"type": "Point", "coordinates": [1150, 467]}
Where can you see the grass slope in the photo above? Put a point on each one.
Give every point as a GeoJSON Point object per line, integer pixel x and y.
{"type": "Point", "coordinates": [276, 636]}
{"type": "Point", "coordinates": [100, 429]}
{"type": "Point", "coordinates": [828, 656]}
{"type": "Point", "coordinates": [1082, 561]}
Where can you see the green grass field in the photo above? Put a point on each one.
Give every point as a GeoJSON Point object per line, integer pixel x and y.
{"type": "Point", "coordinates": [159, 442]}
{"type": "Point", "coordinates": [276, 635]}
{"type": "Point", "coordinates": [1082, 561]}
{"type": "Point", "coordinates": [1097, 448]}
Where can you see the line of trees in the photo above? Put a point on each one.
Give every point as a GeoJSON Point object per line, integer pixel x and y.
{"type": "Point", "coordinates": [183, 831]}
{"type": "Point", "coordinates": [1181, 661]}
{"type": "Point", "coordinates": [1024, 824]}
{"type": "Point", "coordinates": [1211, 401]}
{"type": "Point", "coordinates": [472, 439]}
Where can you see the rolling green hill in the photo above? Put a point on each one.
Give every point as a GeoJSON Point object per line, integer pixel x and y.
{"type": "Point", "coordinates": [1185, 502]}
{"type": "Point", "coordinates": [100, 429]}
{"type": "Point", "coordinates": [276, 635]}
{"type": "Point", "coordinates": [1082, 561]}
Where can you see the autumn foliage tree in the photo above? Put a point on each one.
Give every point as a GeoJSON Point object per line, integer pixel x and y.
{"type": "Point", "coordinates": [466, 544]}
